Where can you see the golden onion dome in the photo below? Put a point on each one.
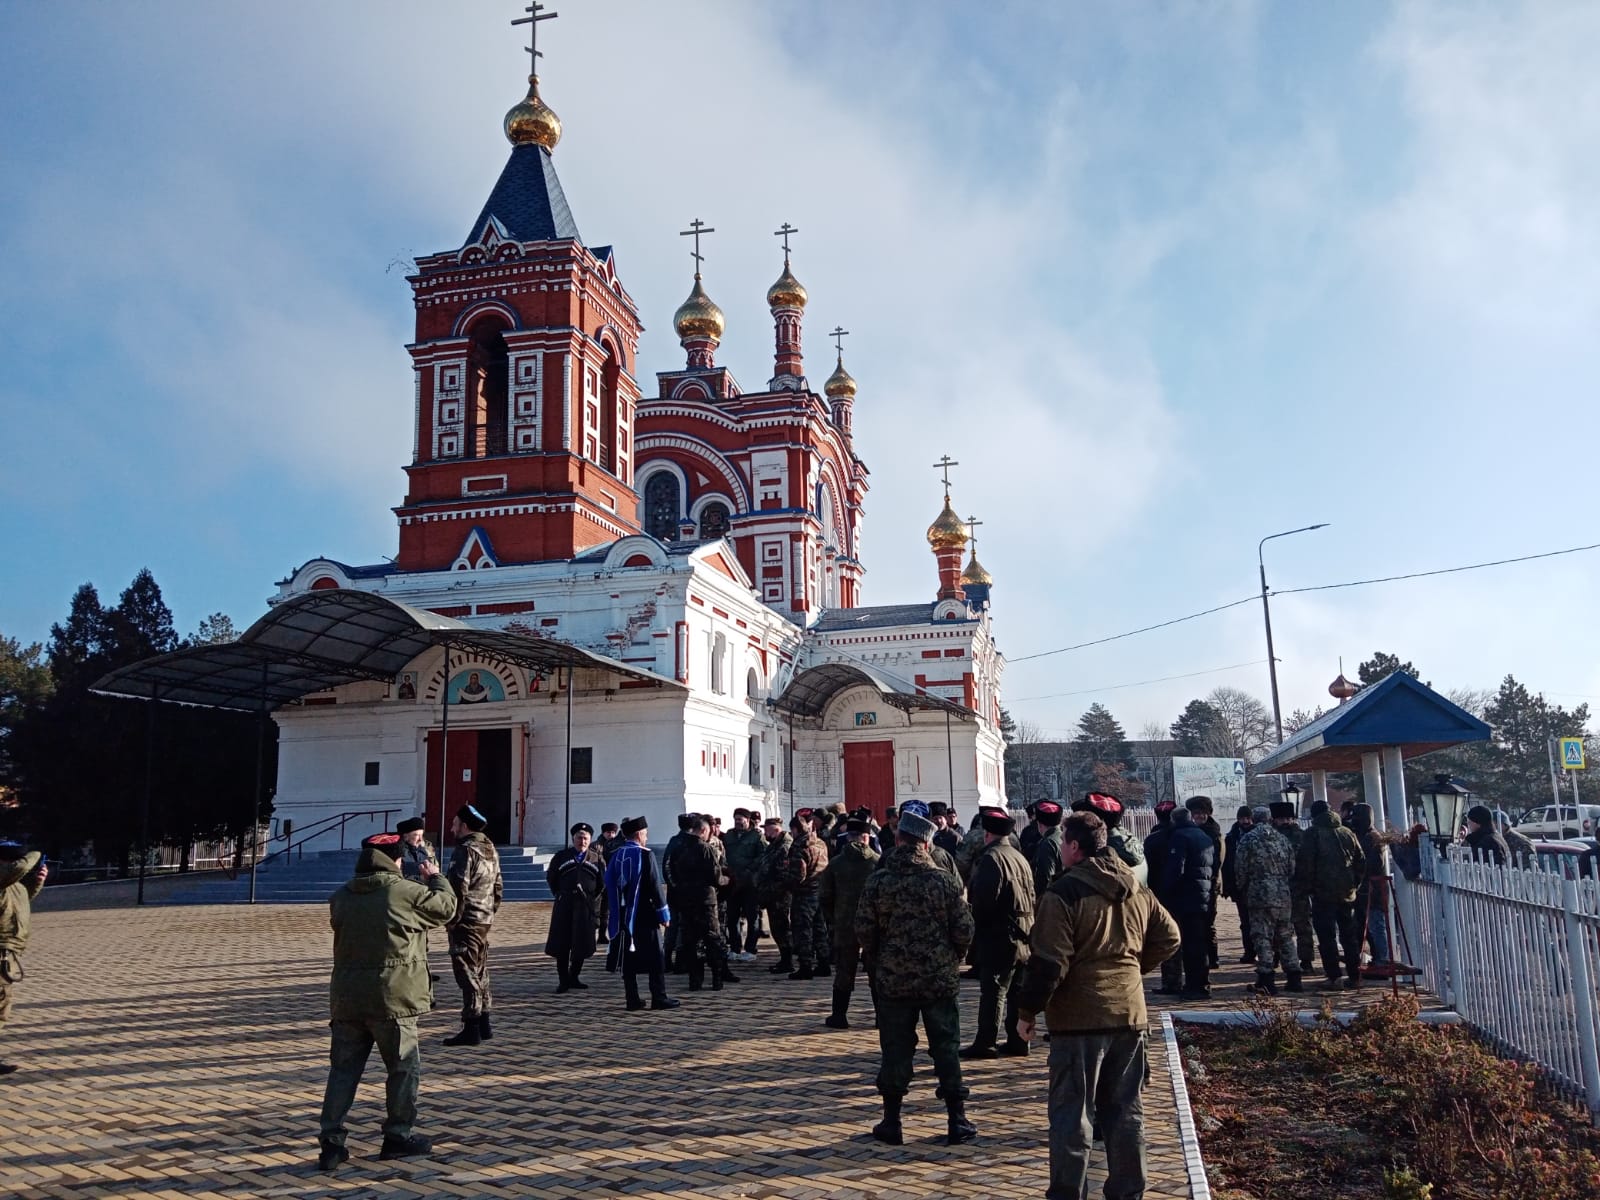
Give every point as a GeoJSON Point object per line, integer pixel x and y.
{"type": "Point", "coordinates": [975, 574]}
{"type": "Point", "coordinates": [788, 292]}
{"type": "Point", "coordinates": [698, 316]}
{"type": "Point", "coordinates": [947, 531]}
{"type": "Point", "coordinates": [1341, 689]}
{"type": "Point", "coordinates": [532, 122]}
{"type": "Point", "coordinates": [841, 384]}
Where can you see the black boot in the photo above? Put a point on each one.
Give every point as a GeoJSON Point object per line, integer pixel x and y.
{"type": "Point", "coordinates": [837, 1018]}
{"type": "Point", "coordinates": [573, 981]}
{"type": "Point", "coordinates": [1294, 984]}
{"type": "Point", "coordinates": [697, 977]}
{"type": "Point", "coordinates": [485, 1033]}
{"type": "Point", "coordinates": [469, 1035]}
{"type": "Point", "coordinates": [978, 1051]}
{"type": "Point", "coordinates": [411, 1146]}
{"type": "Point", "coordinates": [888, 1130]}
{"type": "Point", "coordinates": [1264, 986]}
{"type": "Point", "coordinates": [804, 971]}
{"type": "Point", "coordinates": [563, 982]}
{"type": "Point", "coordinates": [332, 1156]}
{"type": "Point", "coordinates": [960, 1129]}
{"type": "Point", "coordinates": [1014, 1047]}
{"type": "Point", "coordinates": [661, 1002]}
{"type": "Point", "coordinates": [784, 965]}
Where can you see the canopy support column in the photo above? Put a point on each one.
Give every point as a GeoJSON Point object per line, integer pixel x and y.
{"type": "Point", "coordinates": [444, 754]}
{"type": "Point", "coordinates": [149, 787]}
{"type": "Point", "coordinates": [255, 796]}
{"type": "Point", "coordinates": [571, 679]}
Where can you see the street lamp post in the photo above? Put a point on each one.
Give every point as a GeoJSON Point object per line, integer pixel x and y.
{"type": "Point", "coordinates": [1266, 613]}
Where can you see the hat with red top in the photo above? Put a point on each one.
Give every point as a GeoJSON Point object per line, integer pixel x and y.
{"type": "Point", "coordinates": [1107, 807]}
{"type": "Point", "coordinates": [1047, 813]}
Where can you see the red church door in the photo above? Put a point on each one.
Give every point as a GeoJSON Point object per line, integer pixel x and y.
{"type": "Point", "coordinates": [458, 770]}
{"type": "Point", "coordinates": [869, 776]}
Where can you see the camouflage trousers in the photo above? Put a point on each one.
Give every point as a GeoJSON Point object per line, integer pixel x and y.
{"type": "Point", "coordinates": [1272, 928]}
{"type": "Point", "coordinates": [778, 922]}
{"type": "Point", "coordinates": [469, 960]}
{"type": "Point", "coordinates": [807, 932]}
{"type": "Point", "coordinates": [396, 1040]}
{"type": "Point", "coordinates": [897, 1039]}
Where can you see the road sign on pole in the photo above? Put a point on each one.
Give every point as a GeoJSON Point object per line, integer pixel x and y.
{"type": "Point", "coordinates": [1572, 754]}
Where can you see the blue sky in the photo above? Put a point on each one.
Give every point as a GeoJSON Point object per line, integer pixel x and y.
{"type": "Point", "coordinates": [1165, 279]}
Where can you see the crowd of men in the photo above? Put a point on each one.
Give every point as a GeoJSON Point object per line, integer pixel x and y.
{"type": "Point", "coordinates": [1054, 918]}
{"type": "Point", "coordinates": [1062, 916]}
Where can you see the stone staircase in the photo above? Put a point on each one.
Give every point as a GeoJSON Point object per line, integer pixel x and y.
{"type": "Point", "coordinates": [312, 878]}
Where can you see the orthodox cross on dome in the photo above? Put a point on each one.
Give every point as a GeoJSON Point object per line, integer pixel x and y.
{"type": "Point", "coordinates": [972, 531]}
{"type": "Point", "coordinates": [838, 335]}
{"type": "Point", "coordinates": [696, 228]}
{"type": "Point", "coordinates": [943, 467]}
{"type": "Point", "coordinates": [784, 234]}
{"type": "Point", "coordinates": [536, 14]}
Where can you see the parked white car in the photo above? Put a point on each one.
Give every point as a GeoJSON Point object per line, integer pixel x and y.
{"type": "Point", "coordinates": [1553, 823]}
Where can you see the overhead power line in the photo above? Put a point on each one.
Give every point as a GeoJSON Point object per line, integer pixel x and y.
{"type": "Point", "coordinates": [1116, 687]}
{"type": "Point", "coordinates": [1321, 587]}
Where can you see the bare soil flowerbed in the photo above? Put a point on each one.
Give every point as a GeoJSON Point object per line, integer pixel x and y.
{"type": "Point", "coordinates": [1384, 1107]}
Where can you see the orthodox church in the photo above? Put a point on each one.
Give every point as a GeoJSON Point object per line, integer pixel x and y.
{"type": "Point", "coordinates": [701, 546]}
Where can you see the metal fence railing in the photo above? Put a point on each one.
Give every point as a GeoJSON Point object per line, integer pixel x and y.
{"type": "Point", "coordinates": [1516, 952]}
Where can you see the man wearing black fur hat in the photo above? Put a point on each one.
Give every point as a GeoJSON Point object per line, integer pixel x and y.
{"type": "Point", "coordinates": [639, 909]}
{"type": "Point", "coordinates": [576, 875]}
{"type": "Point", "coordinates": [672, 937]}
{"type": "Point", "coordinates": [1046, 856]}
{"type": "Point", "coordinates": [1001, 894]}
{"type": "Point", "coordinates": [475, 876]}
{"type": "Point", "coordinates": [415, 848]}
{"type": "Point", "coordinates": [380, 987]}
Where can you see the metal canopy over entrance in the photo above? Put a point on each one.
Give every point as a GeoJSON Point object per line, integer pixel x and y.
{"type": "Point", "coordinates": [326, 638]}
{"type": "Point", "coordinates": [811, 691]}
{"type": "Point", "coordinates": [336, 636]}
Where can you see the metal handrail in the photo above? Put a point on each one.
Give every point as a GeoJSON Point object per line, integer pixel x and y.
{"type": "Point", "coordinates": [321, 827]}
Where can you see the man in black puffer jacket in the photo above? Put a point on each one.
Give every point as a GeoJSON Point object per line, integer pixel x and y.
{"type": "Point", "coordinates": [1190, 879]}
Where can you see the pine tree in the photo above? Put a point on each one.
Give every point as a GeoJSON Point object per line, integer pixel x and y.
{"type": "Point", "coordinates": [1200, 731]}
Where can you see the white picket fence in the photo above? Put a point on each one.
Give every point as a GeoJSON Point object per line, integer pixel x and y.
{"type": "Point", "coordinates": [1516, 952]}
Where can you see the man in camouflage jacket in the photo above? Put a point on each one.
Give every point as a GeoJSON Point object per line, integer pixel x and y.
{"type": "Point", "coordinates": [772, 889]}
{"type": "Point", "coordinates": [808, 859]}
{"type": "Point", "coordinates": [1331, 867]}
{"type": "Point", "coordinates": [914, 928]}
{"type": "Point", "coordinates": [1263, 878]}
{"type": "Point", "coordinates": [839, 897]}
{"type": "Point", "coordinates": [475, 876]}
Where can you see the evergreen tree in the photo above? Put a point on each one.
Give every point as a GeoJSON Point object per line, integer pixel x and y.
{"type": "Point", "coordinates": [1382, 665]}
{"type": "Point", "coordinates": [1102, 740]}
{"type": "Point", "coordinates": [1200, 731]}
{"type": "Point", "coordinates": [217, 629]}
{"type": "Point", "coordinates": [141, 624]}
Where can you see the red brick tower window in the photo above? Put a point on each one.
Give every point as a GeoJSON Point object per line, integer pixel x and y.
{"type": "Point", "coordinates": [487, 413]}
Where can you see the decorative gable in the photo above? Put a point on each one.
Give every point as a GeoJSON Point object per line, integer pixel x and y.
{"type": "Point", "coordinates": [476, 553]}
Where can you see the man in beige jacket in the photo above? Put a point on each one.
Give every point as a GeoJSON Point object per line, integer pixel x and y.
{"type": "Point", "coordinates": [1096, 932]}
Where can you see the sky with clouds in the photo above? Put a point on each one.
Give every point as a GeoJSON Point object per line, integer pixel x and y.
{"type": "Point", "coordinates": [1164, 278]}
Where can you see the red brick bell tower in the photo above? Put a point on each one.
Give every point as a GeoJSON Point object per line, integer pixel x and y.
{"type": "Point", "coordinates": [525, 359]}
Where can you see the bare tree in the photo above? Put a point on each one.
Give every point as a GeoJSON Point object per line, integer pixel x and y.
{"type": "Point", "coordinates": [1247, 722]}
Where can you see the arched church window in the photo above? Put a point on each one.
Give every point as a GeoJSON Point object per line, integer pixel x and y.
{"type": "Point", "coordinates": [713, 521]}
{"type": "Point", "coordinates": [487, 371]}
{"type": "Point", "coordinates": [663, 503]}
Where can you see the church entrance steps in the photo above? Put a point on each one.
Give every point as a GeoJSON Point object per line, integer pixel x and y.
{"type": "Point", "coordinates": [313, 878]}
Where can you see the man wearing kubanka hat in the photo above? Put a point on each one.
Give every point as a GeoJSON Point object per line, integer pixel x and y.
{"type": "Point", "coordinates": [576, 875]}
{"type": "Point", "coordinates": [475, 875]}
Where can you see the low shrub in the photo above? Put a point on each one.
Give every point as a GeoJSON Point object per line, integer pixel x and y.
{"type": "Point", "coordinates": [1384, 1107]}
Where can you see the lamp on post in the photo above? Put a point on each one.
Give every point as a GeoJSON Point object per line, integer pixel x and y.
{"type": "Point", "coordinates": [1291, 793]}
{"type": "Point", "coordinates": [1266, 615]}
{"type": "Point", "coordinates": [1444, 807]}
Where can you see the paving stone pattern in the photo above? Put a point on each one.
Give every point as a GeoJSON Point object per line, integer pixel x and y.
{"type": "Point", "coordinates": [182, 1052]}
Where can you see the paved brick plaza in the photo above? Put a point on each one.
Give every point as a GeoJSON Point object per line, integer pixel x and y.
{"type": "Point", "coordinates": [181, 1052]}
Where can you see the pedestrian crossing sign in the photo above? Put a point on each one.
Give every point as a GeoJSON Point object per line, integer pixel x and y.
{"type": "Point", "coordinates": [1572, 754]}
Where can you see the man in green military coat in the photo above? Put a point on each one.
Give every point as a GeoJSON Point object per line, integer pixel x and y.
{"type": "Point", "coordinates": [380, 987]}
{"type": "Point", "coordinates": [22, 874]}
{"type": "Point", "coordinates": [1001, 894]}
{"type": "Point", "coordinates": [914, 928]}
{"type": "Point", "coordinates": [840, 895]}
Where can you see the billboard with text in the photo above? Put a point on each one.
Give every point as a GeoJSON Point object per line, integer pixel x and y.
{"type": "Point", "coordinates": [1222, 779]}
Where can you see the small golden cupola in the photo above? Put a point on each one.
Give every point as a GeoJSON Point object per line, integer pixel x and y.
{"type": "Point", "coordinates": [947, 532]}
{"type": "Point", "coordinates": [787, 291]}
{"type": "Point", "coordinates": [841, 384]}
{"type": "Point", "coordinates": [532, 122]}
{"type": "Point", "coordinates": [698, 316]}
